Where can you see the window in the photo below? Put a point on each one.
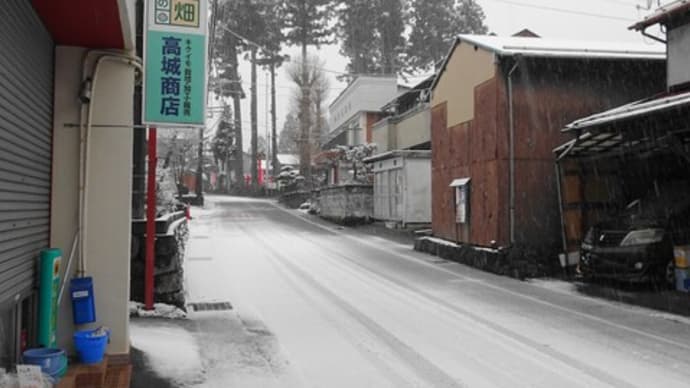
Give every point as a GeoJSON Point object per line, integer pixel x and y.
{"type": "Point", "coordinates": [461, 187]}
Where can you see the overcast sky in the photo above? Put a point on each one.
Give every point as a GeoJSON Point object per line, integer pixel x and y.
{"type": "Point", "coordinates": [606, 20]}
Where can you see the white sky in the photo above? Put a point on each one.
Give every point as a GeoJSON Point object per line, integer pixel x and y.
{"type": "Point", "coordinates": [503, 17]}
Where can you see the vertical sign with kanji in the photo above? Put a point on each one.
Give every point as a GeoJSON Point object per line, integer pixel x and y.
{"type": "Point", "coordinates": [175, 62]}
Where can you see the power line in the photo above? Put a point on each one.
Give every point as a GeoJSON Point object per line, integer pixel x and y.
{"type": "Point", "coordinates": [563, 10]}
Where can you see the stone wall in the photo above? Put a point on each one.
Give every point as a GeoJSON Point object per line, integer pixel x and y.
{"type": "Point", "coordinates": [347, 203]}
{"type": "Point", "coordinates": [294, 199]}
{"type": "Point", "coordinates": [172, 234]}
{"type": "Point", "coordinates": [518, 261]}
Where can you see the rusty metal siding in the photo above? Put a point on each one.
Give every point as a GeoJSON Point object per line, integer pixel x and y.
{"type": "Point", "coordinates": [547, 95]}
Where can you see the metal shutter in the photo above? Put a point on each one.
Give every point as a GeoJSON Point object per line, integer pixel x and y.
{"type": "Point", "coordinates": [26, 116]}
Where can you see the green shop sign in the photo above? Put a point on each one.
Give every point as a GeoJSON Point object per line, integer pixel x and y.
{"type": "Point", "coordinates": [175, 63]}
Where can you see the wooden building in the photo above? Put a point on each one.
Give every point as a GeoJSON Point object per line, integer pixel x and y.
{"type": "Point", "coordinates": [498, 105]}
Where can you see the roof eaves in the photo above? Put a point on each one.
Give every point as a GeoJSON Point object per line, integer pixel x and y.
{"type": "Point", "coordinates": [662, 14]}
{"type": "Point", "coordinates": [628, 111]}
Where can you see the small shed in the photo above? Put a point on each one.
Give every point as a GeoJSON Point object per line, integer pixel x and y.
{"type": "Point", "coordinates": [402, 186]}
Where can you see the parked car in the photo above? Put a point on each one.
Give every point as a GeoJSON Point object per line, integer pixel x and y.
{"type": "Point", "coordinates": [637, 245]}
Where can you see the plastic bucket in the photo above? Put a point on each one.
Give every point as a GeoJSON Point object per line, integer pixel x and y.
{"type": "Point", "coordinates": [91, 344]}
{"type": "Point", "coordinates": [53, 362]}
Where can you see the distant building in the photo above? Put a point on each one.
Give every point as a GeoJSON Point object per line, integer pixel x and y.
{"type": "Point", "coordinates": [355, 111]}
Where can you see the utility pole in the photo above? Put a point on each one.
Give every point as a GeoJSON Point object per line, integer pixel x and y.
{"type": "Point", "coordinates": [274, 124]}
{"type": "Point", "coordinates": [200, 170]}
{"type": "Point", "coordinates": [139, 146]}
{"type": "Point", "coordinates": [254, 124]}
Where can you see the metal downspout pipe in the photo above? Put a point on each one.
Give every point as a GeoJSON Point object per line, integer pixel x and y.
{"type": "Point", "coordinates": [511, 128]}
{"type": "Point", "coordinates": [88, 98]}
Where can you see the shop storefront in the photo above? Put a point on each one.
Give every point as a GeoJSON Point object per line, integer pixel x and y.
{"type": "Point", "coordinates": [61, 59]}
{"type": "Point", "coordinates": [26, 120]}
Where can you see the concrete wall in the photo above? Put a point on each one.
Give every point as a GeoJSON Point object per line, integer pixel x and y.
{"type": "Point", "coordinates": [414, 129]}
{"type": "Point", "coordinates": [347, 203]}
{"type": "Point", "coordinates": [678, 56]}
{"type": "Point", "coordinates": [109, 189]}
{"type": "Point", "coordinates": [381, 135]}
{"type": "Point", "coordinates": [402, 132]}
{"type": "Point", "coordinates": [468, 67]}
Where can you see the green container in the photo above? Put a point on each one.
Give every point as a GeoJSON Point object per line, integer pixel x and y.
{"type": "Point", "coordinates": [49, 288]}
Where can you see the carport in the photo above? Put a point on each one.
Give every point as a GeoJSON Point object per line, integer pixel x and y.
{"type": "Point", "coordinates": [618, 156]}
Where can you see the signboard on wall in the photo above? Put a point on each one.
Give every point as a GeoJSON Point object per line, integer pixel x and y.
{"type": "Point", "coordinates": [175, 63]}
{"type": "Point", "coordinates": [462, 204]}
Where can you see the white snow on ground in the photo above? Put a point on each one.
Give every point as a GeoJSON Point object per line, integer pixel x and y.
{"type": "Point", "coordinates": [160, 310]}
{"type": "Point", "coordinates": [170, 351]}
{"type": "Point", "coordinates": [570, 288]}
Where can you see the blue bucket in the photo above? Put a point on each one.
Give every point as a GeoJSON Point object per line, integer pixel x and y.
{"type": "Point", "coordinates": [53, 362]}
{"type": "Point", "coordinates": [91, 344]}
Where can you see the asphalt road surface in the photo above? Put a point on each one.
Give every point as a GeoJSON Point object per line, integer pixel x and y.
{"type": "Point", "coordinates": [321, 306]}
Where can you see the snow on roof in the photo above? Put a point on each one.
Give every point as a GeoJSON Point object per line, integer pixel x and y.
{"type": "Point", "coordinates": [663, 13]}
{"type": "Point", "coordinates": [540, 47]}
{"type": "Point", "coordinates": [553, 48]}
{"type": "Point", "coordinates": [635, 109]}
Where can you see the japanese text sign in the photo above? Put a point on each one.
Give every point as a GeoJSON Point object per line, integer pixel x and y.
{"type": "Point", "coordinates": [175, 63]}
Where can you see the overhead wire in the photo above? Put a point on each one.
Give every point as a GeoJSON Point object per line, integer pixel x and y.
{"type": "Point", "coordinates": [563, 10]}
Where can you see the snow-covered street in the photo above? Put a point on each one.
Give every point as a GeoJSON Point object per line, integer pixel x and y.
{"type": "Point", "coordinates": [315, 305]}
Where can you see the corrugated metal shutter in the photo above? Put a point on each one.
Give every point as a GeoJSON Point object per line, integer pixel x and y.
{"type": "Point", "coordinates": [26, 100]}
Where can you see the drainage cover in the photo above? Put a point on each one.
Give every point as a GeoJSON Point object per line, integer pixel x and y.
{"type": "Point", "coordinates": [200, 258]}
{"type": "Point", "coordinates": [216, 306]}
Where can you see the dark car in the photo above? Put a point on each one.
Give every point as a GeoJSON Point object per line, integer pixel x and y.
{"type": "Point", "coordinates": [637, 245]}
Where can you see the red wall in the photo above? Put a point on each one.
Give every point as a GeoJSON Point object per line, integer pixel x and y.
{"type": "Point", "coordinates": [547, 96]}
{"type": "Point", "coordinates": [372, 118]}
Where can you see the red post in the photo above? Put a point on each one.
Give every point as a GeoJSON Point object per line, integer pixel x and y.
{"type": "Point", "coordinates": [150, 221]}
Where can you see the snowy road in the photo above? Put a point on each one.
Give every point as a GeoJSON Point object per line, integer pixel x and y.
{"type": "Point", "coordinates": [330, 307]}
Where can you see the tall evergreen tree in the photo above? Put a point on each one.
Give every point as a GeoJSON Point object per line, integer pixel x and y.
{"type": "Point", "coordinates": [229, 83]}
{"type": "Point", "coordinates": [307, 24]}
{"type": "Point", "coordinates": [372, 35]}
{"type": "Point", "coordinates": [435, 24]}
{"type": "Point", "coordinates": [252, 27]}
{"type": "Point", "coordinates": [356, 30]}
{"type": "Point", "coordinates": [391, 29]}
{"type": "Point", "coordinates": [289, 135]}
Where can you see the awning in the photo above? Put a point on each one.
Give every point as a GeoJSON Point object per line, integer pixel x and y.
{"type": "Point", "coordinates": [460, 182]}
{"type": "Point", "coordinates": [632, 111]}
{"type": "Point", "coordinates": [96, 24]}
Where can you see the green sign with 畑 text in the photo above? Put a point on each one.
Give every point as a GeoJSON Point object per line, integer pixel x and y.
{"type": "Point", "coordinates": [175, 63]}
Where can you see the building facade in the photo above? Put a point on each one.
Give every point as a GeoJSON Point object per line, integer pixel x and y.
{"type": "Point", "coordinates": [497, 108]}
{"type": "Point", "coordinates": [59, 86]}
{"type": "Point", "coordinates": [354, 112]}
{"type": "Point", "coordinates": [620, 155]}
